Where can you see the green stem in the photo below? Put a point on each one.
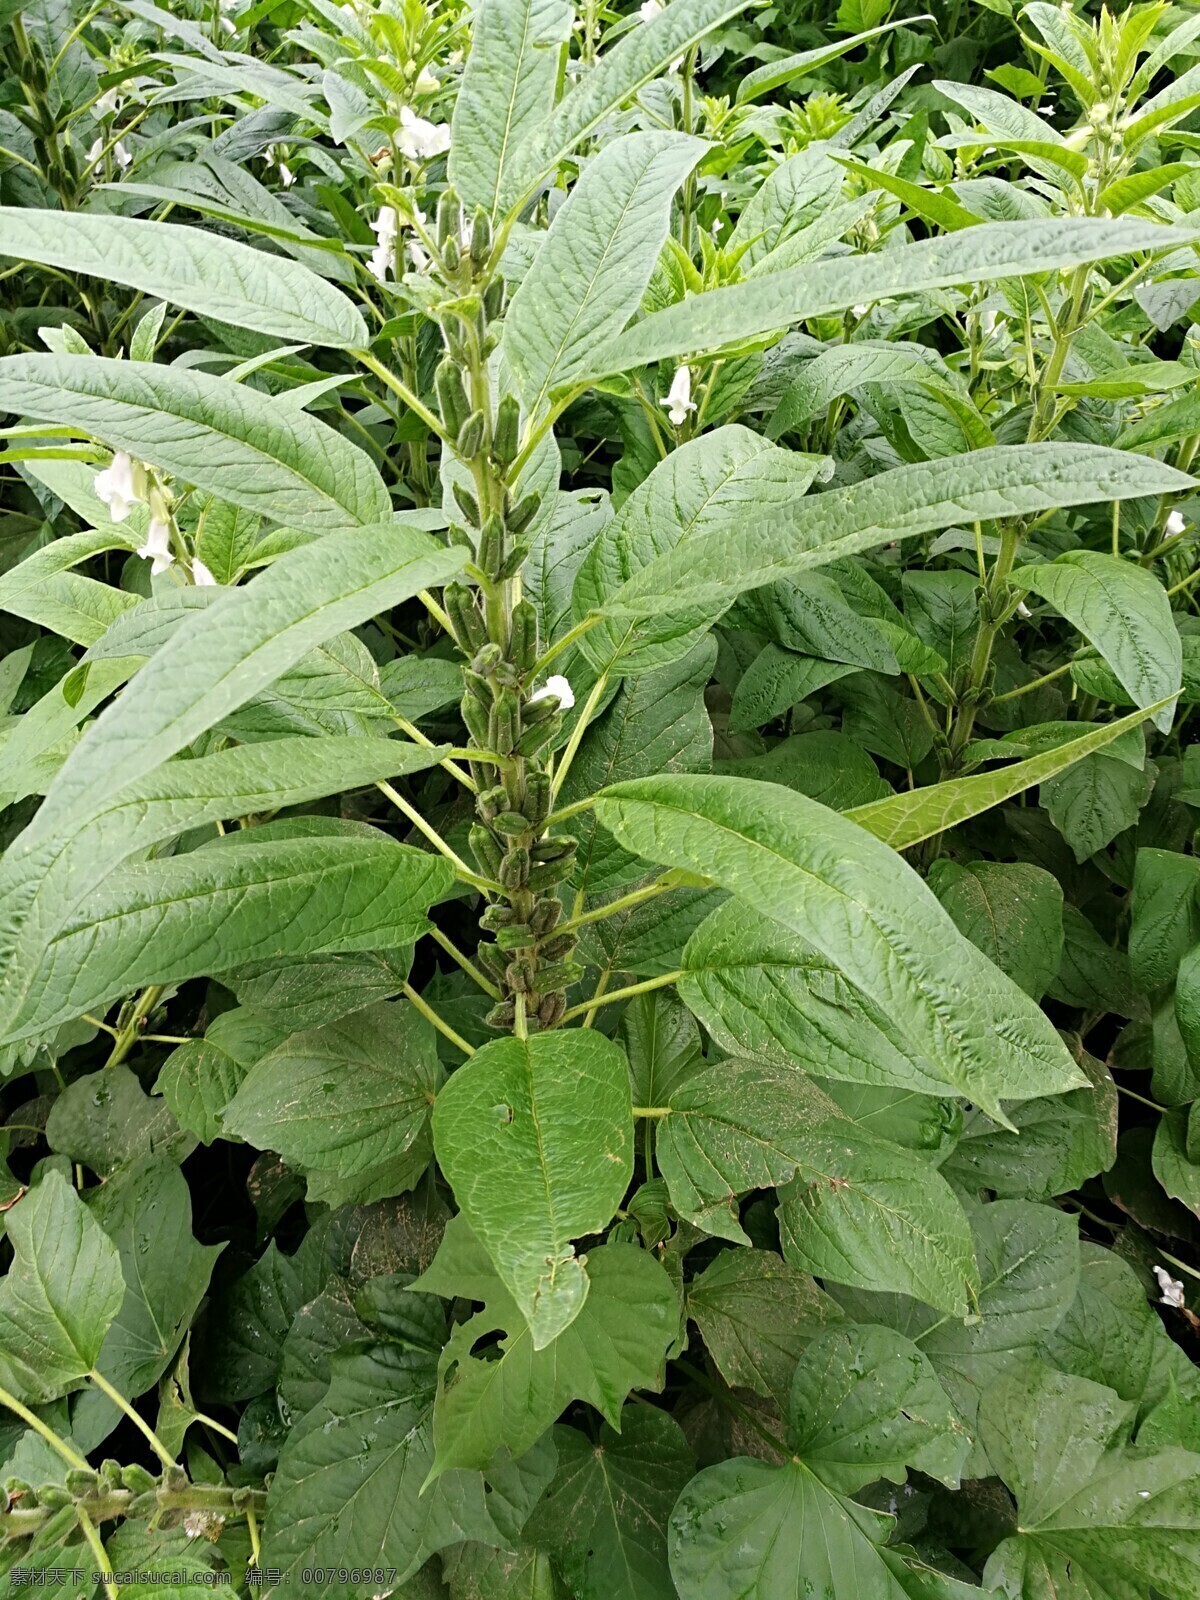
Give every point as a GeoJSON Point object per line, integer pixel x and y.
{"type": "Point", "coordinates": [577, 733]}
{"type": "Point", "coordinates": [652, 1111]}
{"type": "Point", "coordinates": [452, 767]}
{"type": "Point", "coordinates": [32, 1420]}
{"type": "Point", "coordinates": [985, 640]}
{"type": "Point", "coordinates": [139, 1422]}
{"type": "Point", "coordinates": [625, 994]}
{"type": "Point", "coordinates": [403, 391]}
{"type": "Point", "coordinates": [129, 1034]}
{"type": "Point", "coordinates": [626, 902]}
{"type": "Point", "coordinates": [464, 962]}
{"type": "Point", "coordinates": [559, 645]}
{"type": "Point", "coordinates": [439, 1023]}
{"type": "Point", "coordinates": [103, 1564]}
{"type": "Point", "coordinates": [431, 833]}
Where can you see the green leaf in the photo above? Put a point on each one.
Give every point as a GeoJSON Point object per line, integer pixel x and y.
{"type": "Point", "coordinates": [146, 1210]}
{"type": "Point", "coordinates": [1098, 1519]}
{"type": "Point", "coordinates": [347, 1491]}
{"type": "Point", "coordinates": [535, 1137]}
{"type": "Point", "coordinates": [757, 1315]}
{"type": "Point", "coordinates": [1121, 609]}
{"type": "Point", "coordinates": [864, 910]}
{"type": "Point", "coordinates": [43, 589]}
{"type": "Point", "coordinates": [224, 437]}
{"type": "Point", "coordinates": [591, 272]}
{"type": "Point", "coordinates": [347, 1104]}
{"type": "Point", "coordinates": [255, 1314]}
{"type": "Point", "coordinates": [775, 681]}
{"type": "Point", "coordinates": [1012, 910]}
{"type": "Point", "coordinates": [690, 571]}
{"type": "Point", "coordinates": [60, 1294]}
{"type": "Point", "coordinates": [1166, 916]}
{"type": "Point", "coordinates": [511, 75]}
{"type": "Point", "coordinates": [742, 312]}
{"type": "Point", "coordinates": [605, 1512]}
{"type": "Point", "coordinates": [776, 73]}
{"type": "Point", "coordinates": [864, 1213]}
{"type": "Point", "coordinates": [905, 819]}
{"type": "Point", "coordinates": [201, 1077]}
{"type": "Point", "coordinates": [732, 1128]}
{"type": "Point", "coordinates": [211, 275]}
{"type": "Point", "coordinates": [1173, 1166]}
{"type": "Point", "coordinates": [106, 1120]}
{"type": "Point", "coordinates": [1094, 800]}
{"type": "Point", "coordinates": [865, 1404]}
{"type": "Point", "coordinates": [613, 79]}
{"type": "Point", "coordinates": [661, 1039]}
{"type": "Point", "coordinates": [702, 492]}
{"type": "Point", "coordinates": [617, 1343]}
{"type": "Point", "coordinates": [233, 901]}
{"type": "Point", "coordinates": [827, 766]}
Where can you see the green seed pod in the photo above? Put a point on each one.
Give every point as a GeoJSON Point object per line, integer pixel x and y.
{"type": "Point", "coordinates": [487, 659]}
{"type": "Point", "coordinates": [511, 824]}
{"type": "Point", "coordinates": [506, 433]}
{"type": "Point", "coordinates": [481, 237]}
{"type": "Point", "coordinates": [537, 797]}
{"type": "Point", "coordinates": [113, 1474]}
{"type": "Point", "coordinates": [17, 1488]}
{"type": "Point", "coordinates": [467, 503]}
{"type": "Point", "coordinates": [452, 396]}
{"type": "Point", "coordinates": [518, 937]}
{"type": "Point", "coordinates": [546, 874]}
{"type": "Point", "coordinates": [470, 630]}
{"type": "Point", "coordinates": [523, 642]}
{"type": "Point", "coordinates": [479, 687]}
{"type": "Point", "coordinates": [491, 803]}
{"type": "Point", "coordinates": [541, 709]}
{"type": "Point", "coordinates": [555, 849]}
{"type": "Point", "coordinates": [451, 255]}
{"type": "Point", "coordinates": [551, 1010]}
{"type": "Point", "coordinates": [137, 1478]}
{"type": "Point", "coordinates": [557, 948]}
{"type": "Point", "coordinates": [476, 719]}
{"type": "Point", "coordinates": [532, 740]}
{"type": "Point", "coordinates": [457, 534]}
{"type": "Point", "coordinates": [491, 545]}
{"type": "Point", "coordinates": [523, 513]}
{"type": "Point", "coordinates": [492, 960]}
{"type": "Point", "coordinates": [53, 1497]}
{"type": "Point", "coordinates": [504, 722]}
{"type": "Point", "coordinates": [493, 299]}
{"type": "Point", "coordinates": [470, 435]}
{"type": "Point", "coordinates": [449, 217]}
{"type": "Point", "coordinates": [81, 1481]}
{"type": "Point", "coordinates": [519, 975]}
{"type": "Point", "coordinates": [498, 916]}
{"type": "Point", "coordinates": [513, 561]}
{"type": "Point", "coordinates": [502, 1016]}
{"type": "Point", "coordinates": [514, 868]}
{"type": "Point", "coordinates": [485, 849]}
{"type": "Point", "coordinates": [558, 975]}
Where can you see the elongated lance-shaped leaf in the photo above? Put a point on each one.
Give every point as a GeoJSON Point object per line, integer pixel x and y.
{"type": "Point", "coordinates": [591, 272]}
{"type": "Point", "coordinates": [776, 73]}
{"type": "Point", "coordinates": [742, 312]}
{"type": "Point", "coordinates": [214, 662]}
{"type": "Point", "coordinates": [234, 901]}
{"type": "Point", "coordinates": [731, 556]}
{"type": "Point", "coordinates": [620, 72]}
{"type": "Point", "coordinates": [859, 904]}
{"type": "Point", "coordinates": [234, 441]}
{"type": "Point", "coordinates": [203, 272]}
{"type": "Point", "coordinates": [905, 819]}
{"type": "Point", "coordinates": [512, 74]}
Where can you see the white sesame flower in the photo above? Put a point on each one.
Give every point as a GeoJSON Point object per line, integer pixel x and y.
{"type": "Point", "coordinates": [121, 156]}
{"type": "Point", "coordinates": [157, 548]}
{"type": "Point", "coordinates": [1172, 1289]}
{"type": "Point", "coordinates": [650, 9]}
{"type": "Point", "coordinates": [558, 685]}
{"type": "Point", "coordinates": [385, 228]}
{"type": "Point", "coordinates": [108, 104]}
{"type": "Point", "coordinates": [679, 397]}
{"type": "Point", "coordinates": [421, 140]}
{"type": "Point", "coordinates": [1175, 524]}
{"type": "Point", "coordinates": [987, 323]}
{"type": "Point", "coordinates": [859, 311]}
{"type": "Point", "coordinates": [1023, 611]}
{"type": "Point", "coordinates": [287, 175]}
{"type": "Point", "coordinates": [201, 576]}
{"type": "Point", "coordinates": [95, 150]}
{"type": "Point", "coordinates": [420, 258]}
{"type": "Point", "coordinates": [121, 486]}
{"type": "Point", "coordinates": [427, 82]}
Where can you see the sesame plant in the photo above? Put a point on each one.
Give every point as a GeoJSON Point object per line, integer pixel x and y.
{"type": "Point", "coordinates": [599, 936]}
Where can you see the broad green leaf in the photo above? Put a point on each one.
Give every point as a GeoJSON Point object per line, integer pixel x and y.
{"type": "Point", "coordinates": [591, 272]}
{"type": "Point", "coordinates": [657, 722]}
{"type": "Point", "coordinates": [484, 1572]}
{"type": "Point", "coordinates": [692, 567]}
{"type": "Point", "coordinates": [1166, 916]}
{"type": "Point", "coordinates": [201, 1077]}
{"type": "Point", "coordinates": [227, 438]}
{"type": "Point", "coordinates": [863, 1212]}
{"type": "Point", "coordinates": [864, 910]}
{"type": "Point", "coordinates": [776, 73]}
{"type": "Point", "coordinates": [233, 901]}
{"type": "Point", "coordinates": [1012, 910]}
{"type": "Point", "coordinates": [1173, 1166]}
{"type": "Point", "coordinates": [60, 1294]}
{"type": "Point", "coordinates": [146, 1210]}
{"type": "Point", "coordinates": [788, 197]}
{"type": "Point", "coordinates": [702, 492]}
{"type": "Point", "coordinates": [43, 589]}
{"type": "Point", "coordinates": [740, 313]}
{"type": "Point", "coordinates": [348, 1485]}
{"type": "Point", "coordinates": [1121, 609]}
{"type": "Point", "coordinates": [905, 819]}
{"type": "Point", "coordinates": [106, 1120]}
{"type": "Point", "coordinates": [826, 766]}
{"type": "Point", "coordinates": [1060, 1142]}
{"type": "Point", "coordinates": [605, 1513]}
{"type": "Point", "coordinates": [255, 1314]}
{"type": "Point", "coordinates": [1098, 1519]}
{"type": "Point", "coordinates": [190, 267]}
{"type": "Point", "coordinates": [314, 990]}
{"type": "Point", "coordinates": [1094, 800]}
{"type": "Point", "coordinates": [775, 681]}
{"type": "Point", "coordinates": [849, 366]}
{"type": "Point", "coordinates": [615, 78]}
{"type": "Point", "coordinates": [347, 1104]}
{"type": "Point", "coordinates": [731, 1128]}
{"type": "Point", "coordinates": [536, 1139]}
{"type": "Point", "coordinates": [660, 1036]}
{"type": "Point", "coordinates": [512, 74]}
{"type": "Point", "coordinates": [617, 1343]}
{"type": "Point", "coordinates": [757, 1314]}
